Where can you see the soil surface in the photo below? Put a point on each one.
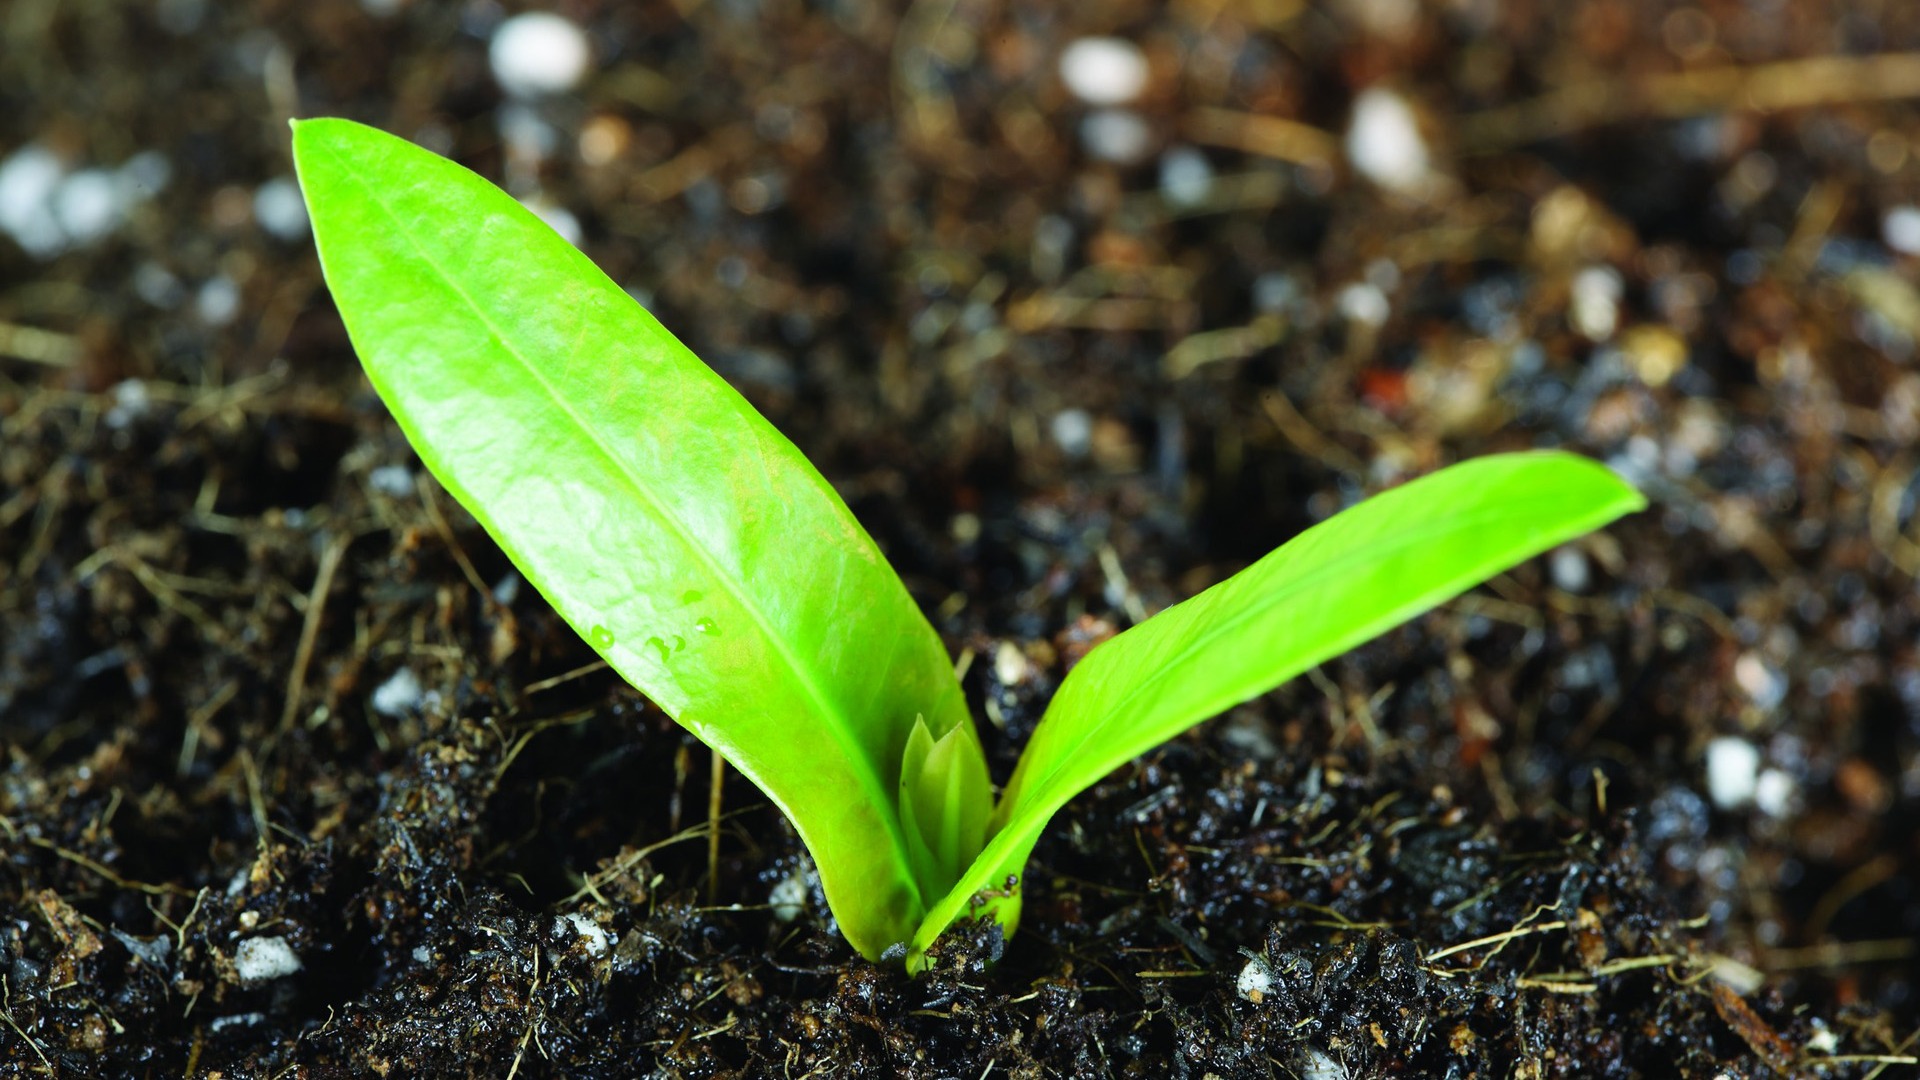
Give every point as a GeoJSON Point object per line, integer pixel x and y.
{"type": "Point", "coordinates": [301, 780]}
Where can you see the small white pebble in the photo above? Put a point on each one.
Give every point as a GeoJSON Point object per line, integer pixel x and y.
{"type": "Point", "coordinates": [1072, 431]}
{"type": "Point", "coordinates": [1764, 686]}
{"type": "Point", "coordinates": [789, 898]}
{"type": "Point", "coordinates": [157, 286]}
{"type": "Point", "coordinates": [1365, 304]}
{"type": "Point", "coordinates": [1274, 292]}
{"type": "Point", "coordinates": [1255, 981]}
{"type": "Point", "coordinates": [392, 480]}
{"type": "Point", "coordinates": [1384, 142]}
{"type": "Point", "coordinates": [142, 176]}
{"type": "Point", "coordinates": [1186, 177]}
{"type": "Point", "coordinates": [1901, 229]}
{"type": "Point", "coordinates": [1319, 1065]}
{"type": "Point", "coordinates": [1774, 793]}
{"type": "Point", "coordinates": [1010, 665]}
{"type": "Point", "coordinates": [1570, 572]}
{"type": "Point", "coordinates": [87, 205]}
{"type": "Point", "coordinates": [965, 528]}
{"type": "Point", "coordinates": [131, 399]}
{"type": "Point", "coordinates": [1116, 135]}
{"type": "Point", "coordinates": [422, 954]}
{"type": "Point", "coordinates": [280, 210]}
{"type": "Point", "coordinates": [1104, 70]}
{"type": "Point", "coordinates": [1733, 769]}
{"type": "Point", "coordinates": [507, 589]}
{"type": "Point", "coordinates": [1823, 1040]}
{"type": "Point", "coordinates": [28, 180]}
{"type": "Point", "coordinates": [151, 950]}
{"type": "Point", "coordinates": [1384, 273]}
{"type": "Point", "coordinates": [538, 53]}
{"type": "Point", "coordinates": [558, 218]}
{"type": "Point", "coordinates": [599, 942]}
{"type": "Point", "coordinates": [526, 132]}
{"type": "Point", "coordinates": [246, 1019]}
{"type": "Point", "coordinates": [263, 958]}
{"type": "Point", "coordinates": [218, 301]}
{"type": "Point", "coordinates": [399, 695]}
{"type": "Point", "coordinates": [1246, 732]}
{"type": "Point", "coordinates": [1595, 306]}
{"type": "Point", "coordinates": [1644, 453]}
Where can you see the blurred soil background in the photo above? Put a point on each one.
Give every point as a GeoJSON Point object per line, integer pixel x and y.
{"type": "Point", "coordinates": [1082, 308]}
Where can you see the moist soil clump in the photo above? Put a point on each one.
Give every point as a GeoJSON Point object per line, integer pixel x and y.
{"type": "Point", "coordinates": [301, 779]}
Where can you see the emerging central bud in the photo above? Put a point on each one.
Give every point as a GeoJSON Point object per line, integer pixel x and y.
{"type": "Point", "coordinates": [944, 804]}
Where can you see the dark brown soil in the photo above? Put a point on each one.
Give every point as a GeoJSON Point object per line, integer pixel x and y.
{"type": "Point", "coordinates": [266, 692]}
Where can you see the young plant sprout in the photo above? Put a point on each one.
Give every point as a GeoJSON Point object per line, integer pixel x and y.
{"type": "Point", "coordinates": [700, 553]}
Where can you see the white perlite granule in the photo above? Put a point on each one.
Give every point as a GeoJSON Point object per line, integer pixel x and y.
{"type": "Point", "coordinates": [260, 959]}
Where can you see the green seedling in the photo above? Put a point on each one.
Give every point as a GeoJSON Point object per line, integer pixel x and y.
{"type": "Point", "coordinates": [699, 552]}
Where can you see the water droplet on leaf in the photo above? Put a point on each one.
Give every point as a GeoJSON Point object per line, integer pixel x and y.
{"type": "Point", "coordinates": [706, 626]}
{"type": "Point", "coordinates": [691, 596]}
{"type": "Point", "coordinates": [679, 643]}
{"type": "Point", "coordinates": [658, 646]}
{"type": "Point", "coordinates": [600, 637]}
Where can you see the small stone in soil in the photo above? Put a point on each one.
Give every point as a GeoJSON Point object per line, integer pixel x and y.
{"type": "Point", "coordinates": [218, 301]}
{"type": "Point", "coordinates": [1319, 1065]}
{"type": "Point", "coordinates": [1116, 135]}
{"type": "Point", "coordinates": [260, 959]}
{"type": "Point", "coordinates": [131, 400]}
{"type": "Point", "coordinates": [1104, 70]}
{"type": "Point", "coordinates": [1733, 769]}
{"type": "Point", "coordinates": [1384, 142]}
{"type": "Point", "coordinates": [1570, 573]}
{"type": "Point", "coordinates": [1073, 431]}
{"type": "Point", "coordinates": [558, 218]}
{"type": "Point", "coordinates": [28, 180]}
{"type": "Point", "coordinates": [400, 694]}
{"type": "Point", "coordinates": [1774, 793]}
{"type": "Point", "coordinates": [538, 53]}
{"type": "Point", "coordinates": [1901, 229]}
{"type": "Point", "coordinates": [1364, 303]}
{"type": "Point", "coordinates": [393, 480]}
{"type": "Point", "coordinates": [278, 208]}
{"type": "Point", "coordinates": [87, 205]}
{"type": "Point", "coordinates": [1764, 686]}
{"type": "Point", "coordinates": [789, 898]}
{"type": "Point", "coordinates": [1255, 981]}
{"type": "Point", "coordinates": [575, 924]}
{"type": "Point", "coordinates": [1595, 307]}
{"type": "Point", "coordinates": [1186, 177]}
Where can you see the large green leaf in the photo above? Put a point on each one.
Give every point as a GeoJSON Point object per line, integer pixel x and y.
{"type": "Point", "coordinates": [1331, 588]}
{"type": "Point", "coordinates": [667, 521]}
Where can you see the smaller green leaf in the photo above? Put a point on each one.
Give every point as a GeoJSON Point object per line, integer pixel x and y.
{"type": "Point", "coordinates": [1331, 588]}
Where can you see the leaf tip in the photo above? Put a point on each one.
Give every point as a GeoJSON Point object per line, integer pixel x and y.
{"type": "Point", "coordinates": [333, 131]}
